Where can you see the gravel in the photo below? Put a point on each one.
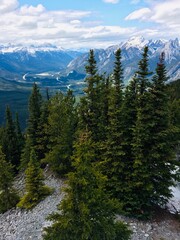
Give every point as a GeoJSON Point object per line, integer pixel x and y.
{"type": "Point", "coordinates": [17, 224]}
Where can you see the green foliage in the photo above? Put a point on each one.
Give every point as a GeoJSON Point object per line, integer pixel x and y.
{"type": "Point", "coordinates": [35, 103]}
{"type": "Point", "coordinates": [10, 141]}
{"type": "Point", "coordinates": [112, 145]}
{"type": "Point", "coordinates": [35, 188]}
{"type": "Point", "coordinates": [174, 89]}
{"type": "Point", "coordinates": [134, 134]}
{"type": "Point", "coordinates": [163, 139]}
{"type": "Point", "coordinates": [42, 132]}
{"type": "Point", "coordinates": [174, 105]}
{"type": "Point", "coordinates": [86, 211]}
{"type": "Point", "coordinates": [31, 138]}
{"type": "Point", "coordinates": [62, 123]}
{"type": "Point", "coordinates": [153, 166]}
{"type": "Point", "coordinates": [8, 196]}
{"type": "Point", "coordinates": [92, 104]}
{"type": "Point", "coordinates": [25, 155]}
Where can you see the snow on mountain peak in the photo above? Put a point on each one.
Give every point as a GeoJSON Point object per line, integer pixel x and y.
{"type": "Point", "coordinates": [138, 42]}
{"type": "Point", "coordinates": [32, 49]}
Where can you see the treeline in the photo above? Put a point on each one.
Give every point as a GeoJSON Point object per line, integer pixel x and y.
{"type": "Point", "coordinates": [117, 147]}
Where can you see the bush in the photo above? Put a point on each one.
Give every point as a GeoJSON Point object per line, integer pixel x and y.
{"type": "Point", "coordinates": [29, 201]}
{"type": "Point", "coordinates": [8, 201]}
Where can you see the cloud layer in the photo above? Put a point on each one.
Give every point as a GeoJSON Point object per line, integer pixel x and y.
{"type": "Point", "coordinates": [165, 14]}
{"type": "Point", "coordinates": [73, 29]}
{"type": "Point", "coordinates": [35, 24]}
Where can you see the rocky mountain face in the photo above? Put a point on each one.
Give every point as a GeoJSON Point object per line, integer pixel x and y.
{"type": "Point", "coordinates": [131, 54]}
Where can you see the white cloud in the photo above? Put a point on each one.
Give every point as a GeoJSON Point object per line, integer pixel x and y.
{"type": "Point", "coordinates": [141, 14]}
{"type": "Point", "coordinates": [8, 5]}
{"type": "Point", "coordinates": [75, 22]}
{"type": "Point", "coordinates": [111, 1]}
{"type": "Point", "coordinates": [30, 10]}
{"type": "Point", "coordinates": [165, 14]}
{"type": "Point", "coordinates": [70, 28]}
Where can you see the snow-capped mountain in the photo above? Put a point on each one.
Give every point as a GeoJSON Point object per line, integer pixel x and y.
{"type": "Point", "coordinates": [131, 54]}
{"type": "Point", "coordinates": [31, 49]}
{"type": "Point", "coordinates": [18, 60]}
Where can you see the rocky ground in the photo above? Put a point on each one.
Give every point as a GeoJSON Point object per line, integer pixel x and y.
{"type": "Point", "coordinates": [19, 224]}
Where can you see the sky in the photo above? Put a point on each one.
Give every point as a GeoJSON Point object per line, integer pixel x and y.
{"type": "Point", "coordinates": [74, 24]}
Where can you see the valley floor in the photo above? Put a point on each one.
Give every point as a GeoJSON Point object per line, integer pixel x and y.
{"type": "Point", "coordinates": [19, 224]}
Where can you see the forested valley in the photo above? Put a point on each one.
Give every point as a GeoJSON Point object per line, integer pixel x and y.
{"type": "Point", "coordinates": [116, 147]}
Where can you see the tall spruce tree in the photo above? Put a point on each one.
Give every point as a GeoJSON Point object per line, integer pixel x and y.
{"type": "Point", "coordinates": [62, 123]}
{"type": "Point", "coordinates": [123, 182]}
{"type": "Point", "coordinates": [31, 140]}
{"type": "Point", "coordinates": [113, 145]}
{"type": "Point", "coordinates": [35, 103]}
{"type": "Point", "coordinates": [91, 106]}
{"type": "Point", "coordinates": [161, 160]}
{"type": "Point", "coordinates": [86, 211]}
{"type": "Point", "coordinates": [137, 196]}
{"type": "Point", "coordinates": [42, 132]}
{"type": "Point", "coordinates": [8, 196]}
{"type": "Point", "coordinates": [129, 115]}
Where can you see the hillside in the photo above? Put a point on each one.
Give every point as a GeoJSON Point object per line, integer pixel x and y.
{"type": "Point", "coordinates": [19, 224]}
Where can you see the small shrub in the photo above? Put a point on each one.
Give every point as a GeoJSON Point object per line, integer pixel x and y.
{"type": "Point", "coordinates": [29, 201]}
{"type": "Point", "coordinates": [8, 201]}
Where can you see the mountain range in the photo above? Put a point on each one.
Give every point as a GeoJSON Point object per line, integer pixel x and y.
{"type": "Point", "coordinates": [131, 54]}
{"type": "Point", "coordinates": [23, 64]}
{"type": "Point", "coordinates": [57, 69]}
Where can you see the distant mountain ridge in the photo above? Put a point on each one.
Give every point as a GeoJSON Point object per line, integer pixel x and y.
{"type": "Point", "coordinates": [131, 54]}
{"type": "Point", "coordinates": [18, 60]}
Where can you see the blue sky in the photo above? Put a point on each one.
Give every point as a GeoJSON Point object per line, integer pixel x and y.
{"type": "Point", "coordinates": [87, 23]}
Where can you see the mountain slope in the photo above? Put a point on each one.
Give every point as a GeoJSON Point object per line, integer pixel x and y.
{"type": "Point", "coordinates": [18, 60]}
{"type": "Point", "coordinates": [131, 54]}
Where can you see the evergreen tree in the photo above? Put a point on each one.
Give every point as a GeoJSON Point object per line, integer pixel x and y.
{"type": "Point", "coordinates": [62, 123]}
{"type": "Point", "coordinates": [129, 116]}
{"type": "Point", "coordinates": [113, 145]}
{"type": "Point", "coordinates": [143, 73]}
{"type": "Point", "coordinates": [43, 134]}
{"type": "Point", "coordinates": [10, 145]}
{"type": "Point", "coordinates": [86, 211]}
{"type": "Point", "coordinates": [162, 164]}
{"type": "Point", "coordinates": [8, 196]}
{"type": "Point", "coordinates": [35, 188]}
{"type": "Point", "coordinates": [152, 163]}
{"type": "Point", "coordinates": [139, 194]}
{"type": "Point", "coordinates": [35, 103]}
{"type": "Point", "coordinates": [128, 126]}
{"type": "Point", "coordinates": [91, 109]}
